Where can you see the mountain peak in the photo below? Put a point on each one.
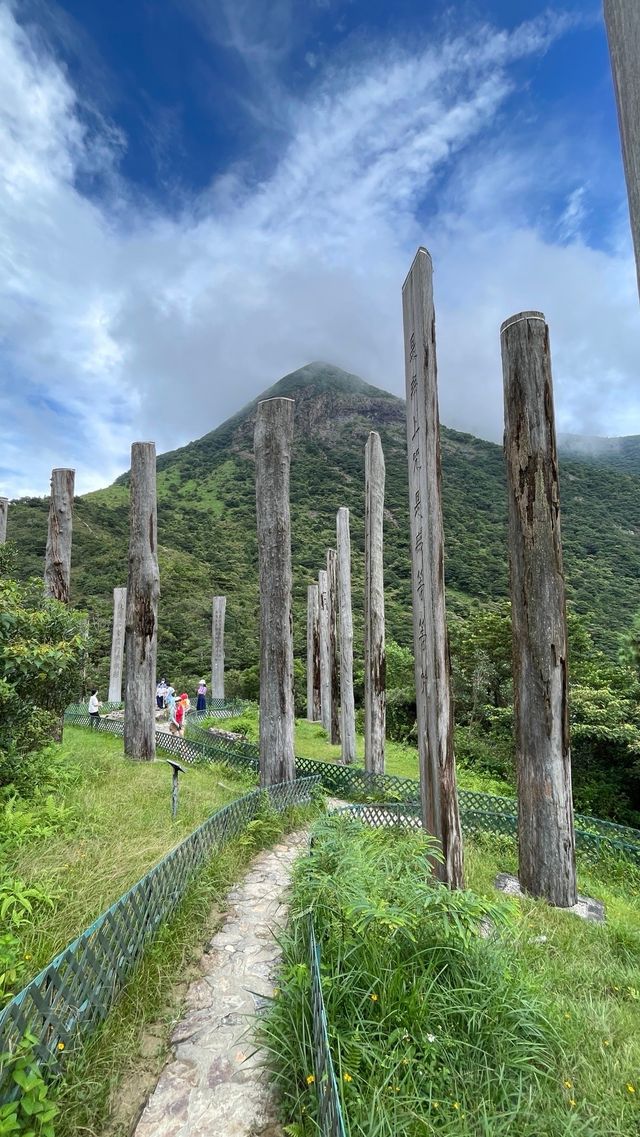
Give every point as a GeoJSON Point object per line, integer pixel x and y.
{"type": "Point", "coordinates": [318, 377]}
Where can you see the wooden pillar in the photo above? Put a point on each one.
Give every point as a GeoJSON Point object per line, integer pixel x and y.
{"type": "Point", "coordinates": [217, 647]}
{"type": "Point", "coordinates": [325, 654]}
{"type": "Point", "coordinates": [347, 707]}
{"type": "Point", "coordinates": [4, 509]}
{"type": "Point", "coordinates": [117, 644]}
{"type": "Point", "coordinates": [313, 653]}
{"type": "Point", "coordinates": [622, 18]}
{"type": "Point", "coordinates": [434, 703]}
{"type": "Point", "coordinates": [374, 649]}
{"type": "Point", "coordinates": [57, 566]}
{"type": "Point", "coordinates": [273, 441]}
{"type": "Point", "coordinates": [332, 590]}
{"type": "Point", "coordinates": [545, 810]}
{"type": "Point", "coordinates": [143, 591]}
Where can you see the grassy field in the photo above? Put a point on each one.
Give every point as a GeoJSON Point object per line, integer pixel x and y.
{"type": "Point", "coordinates": [311, 742]}
{"type": "Point", "coordinates": [533, 1030]}
{"type": "Point", "coordinates": [108, 823]}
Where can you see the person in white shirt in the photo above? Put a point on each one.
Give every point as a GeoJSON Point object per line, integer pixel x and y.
{"type": "Point", "coordinates": [94, 709]}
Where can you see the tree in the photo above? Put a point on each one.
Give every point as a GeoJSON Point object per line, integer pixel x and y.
{"type": "Point", "coordinates": [42, 649]}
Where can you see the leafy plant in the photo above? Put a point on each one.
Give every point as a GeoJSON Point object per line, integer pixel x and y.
{"type": "Point", "coordinates": [33, 1112]}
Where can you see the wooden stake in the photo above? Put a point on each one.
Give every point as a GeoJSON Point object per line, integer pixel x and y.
{"type": "Point", "coordinates": [622, 18]}
{"type": "Point", "coordinates": [325, 654]}
{"type": "Point", "coordinates": [332, 590]}
{"type": "Point", "coordinates": [313, 653]}
{"type": "Point", "coordinates": [434, 703]}
{"type": "Point", "coordinates": [273, 440]}
{"type": "Point", "coordinates": [545, 810]}
{"type": "Point", "coordinates": [217, 647]}
{"type": "Point", "coordinates": [143, 591]}
{"type": "Point", "coordinates": [374, 643]}
{"type": "Point", "coordinates": [4, 509]}
{"type": "Point", "coordinates": [347, 708]}
{"type": "Point", "coordinates": [117, 644]}
{"type": "Point", "coordinates": [57, 566]}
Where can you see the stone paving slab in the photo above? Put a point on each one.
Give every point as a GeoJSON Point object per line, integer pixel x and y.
{"type": "Point", "coordinates": [215, 1083]}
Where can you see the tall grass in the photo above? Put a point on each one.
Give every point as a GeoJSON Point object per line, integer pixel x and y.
{"type": "Point", "coordinates": [453, 1013]}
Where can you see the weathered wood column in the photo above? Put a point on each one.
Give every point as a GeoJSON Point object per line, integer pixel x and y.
{"type": "Point", "coordinates": [217, 647]}
{"type": "Point", "coordinates": [143, 591]}
{"type": "Point", "coordinates": [434, 702]}
{"type": "Point", "coordinates": [57, 564]}
{"type": "Point", "coordinates": [117, 644]}
{"type": "Point", "coordinates": [545, 810]}
{"type": "Point", "coordinates": [374, 642]}
{"type": "Point", "coordinates": [273, 441]}
{"type": "Point", "coordinates": [622, 18]}
{"type": "Point", "coordinates": [332, 590]}
{"type": "Point", "coordinates": [347, 707]}
{"type": "Point", "coordinates": [4, 509]}
{"type": "Point", "coordinates": [313, 653]}
{"type": "Point", "coordinates": [325, 654]}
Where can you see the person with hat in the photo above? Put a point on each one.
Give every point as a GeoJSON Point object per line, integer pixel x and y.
{"type": "Point", "coordinates": [201, 704]}
{"type": "Point", "coordinates": [182, 706]}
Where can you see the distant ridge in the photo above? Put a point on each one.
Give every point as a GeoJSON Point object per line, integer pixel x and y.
{"type": "Point", "coordinates": [620, 453]}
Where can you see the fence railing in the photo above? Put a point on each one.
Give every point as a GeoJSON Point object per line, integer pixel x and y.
{"type": "Point", "coordinates": [74, 993]}
{"type": "Point", "coordinates": [330, 1114]}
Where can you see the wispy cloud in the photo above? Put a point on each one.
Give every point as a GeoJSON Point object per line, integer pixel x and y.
{"type": "Point", "coordinates": [144, 324]}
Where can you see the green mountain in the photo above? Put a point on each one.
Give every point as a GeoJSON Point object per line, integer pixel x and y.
{"type": "Point", "coordinates": [207, 538]}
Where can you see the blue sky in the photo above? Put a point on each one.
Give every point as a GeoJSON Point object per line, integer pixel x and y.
{"type": "Point", "coordinates": [197, 196]}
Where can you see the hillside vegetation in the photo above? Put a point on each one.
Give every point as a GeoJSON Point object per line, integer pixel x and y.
{"type": "Point", "coordinates": [207, 530]}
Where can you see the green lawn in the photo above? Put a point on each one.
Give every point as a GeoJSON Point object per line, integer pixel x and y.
{"type": "Point", "coordinates": [108, 823]}
{"type": "Point", "coordinates": [311, 742]}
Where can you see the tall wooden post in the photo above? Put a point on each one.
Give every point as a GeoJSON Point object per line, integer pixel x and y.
{"type": "Point", "coordinates": [545, 810]}
{"type": "Point", "coordinates": [622, 18]}
{"type": "Point", "coordinates": [273, 441]}
{"type": "Point", "coordinates": [217, 647]}
{"type": "Point", "coordinates": [4, 509]}
{"type": "Point", "coordinates": [434, 702]}
{"type": "Point", "coordinates": [117, 644]}
{"type": "Point", "coordinates": [347, 707]}
{"type": "Point", "coordinates": [325, 653]}
{"type": "Point", "coordinates": [313, 653]}
{"type": "Point", "coordinates": [332, 589]}
{"type": "Point", "coordinates": [374, 645]}
{"type": "Point", "coordinates": [57, 565]}
{"type": "Point", "coordinates": [143, 591]}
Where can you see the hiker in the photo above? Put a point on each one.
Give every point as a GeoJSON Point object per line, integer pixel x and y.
{"type": "Point", "coordinates": [170, 702]}
{"type": "Point", "coordinates": [161, 691]}
{"type": "Point", "coordinates": [94, 709]}
{"type": "Point", "coordinates": [201, 704]}
{"type": "Point", "coordinates": [182, 706]}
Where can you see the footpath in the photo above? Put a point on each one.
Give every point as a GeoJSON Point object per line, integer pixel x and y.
{"type": "Point", "coordinates": [215, 1083]}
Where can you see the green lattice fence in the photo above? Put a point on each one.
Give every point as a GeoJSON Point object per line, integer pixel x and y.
{"type": "Point", "coordinates": [76, 990]}
{"type": "Point", "coordinates": [330, 1115]}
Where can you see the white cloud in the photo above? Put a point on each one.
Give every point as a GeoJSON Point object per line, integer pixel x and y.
{"type": "Point", "coordinates": [144, 325]}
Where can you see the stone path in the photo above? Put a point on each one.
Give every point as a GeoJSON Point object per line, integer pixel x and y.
{"type": "Point", "coordinates": [215, 1083]}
